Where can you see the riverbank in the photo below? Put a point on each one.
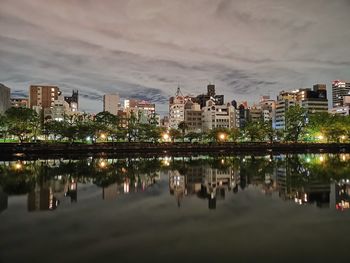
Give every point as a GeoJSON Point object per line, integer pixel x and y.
{"type": "Point", "coordinates": [40, 150]}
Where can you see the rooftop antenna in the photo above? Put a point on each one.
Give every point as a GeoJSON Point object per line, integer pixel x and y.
{"type": "Point", "coordinates": [178, 91]}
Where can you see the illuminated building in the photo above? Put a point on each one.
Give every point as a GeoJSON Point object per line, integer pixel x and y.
{"type": "Point", "coordinates": [4, 98]}
{"type": "Point", "coordinates": [177, 108]}
{"type": "Point", "coordinates": [339, 90]}
{"type": "Point", "coordinates": [285, 99]}
{"type": "Point", "coordinates": [42, 96]}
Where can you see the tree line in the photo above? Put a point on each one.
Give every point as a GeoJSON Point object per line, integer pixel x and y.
{"type": "Point", "coordinates": [25, 125]}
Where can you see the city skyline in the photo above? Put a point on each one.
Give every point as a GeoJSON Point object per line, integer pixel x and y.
{"type": "Point", "coordinates": [145, 49]}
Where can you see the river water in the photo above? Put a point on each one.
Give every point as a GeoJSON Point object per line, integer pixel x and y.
{"type": "Point", "coordinates": [199, 209]}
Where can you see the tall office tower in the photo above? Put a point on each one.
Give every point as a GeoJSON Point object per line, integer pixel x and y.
{"type": "Point", "coordinates": [73, 101]}
{"type": "Point", "coordinates": [285, 100]}
{"type": "Point", "coordinates": [339, 90]}
{"type": "Point", "coordinates": [111, 103]}
{"type": "Point", "coordinates": [42, 96]}
{"type": "Point", "coordinates": [5, 102]}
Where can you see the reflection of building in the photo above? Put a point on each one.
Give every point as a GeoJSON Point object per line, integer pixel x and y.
{"type": "Point", "coordinates": [3, 200]}
{"type": "Point", "coordinates": [110, 192]}
{"type": "Point", "coordinates": [215, 183]}
{"type": "Point", "coordinates": [71, 190]}
{"type": "Point", "coordinates": [42, 198]}
{"type": "Point", "coordinates": [177, 185]}
{"type": "Point", "coordinates": [342, 194]}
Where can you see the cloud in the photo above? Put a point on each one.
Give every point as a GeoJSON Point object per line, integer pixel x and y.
{"type": "Point", "coordinates": [145, 49]}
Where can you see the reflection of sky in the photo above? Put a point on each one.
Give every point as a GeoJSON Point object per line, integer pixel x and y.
{"type": "Point", "coordinates": [149, 226]}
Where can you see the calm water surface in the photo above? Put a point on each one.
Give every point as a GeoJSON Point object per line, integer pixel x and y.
{"type": "Point", "coordinates": [202, 209]}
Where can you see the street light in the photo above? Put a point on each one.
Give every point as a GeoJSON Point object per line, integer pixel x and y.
{"type": "Point", "coordinates": [222, 136]}
{"type": "Point", "coordinates": [103, 136]}
{"type": "Point", "coordinates": [18, 166]}
{"type": "Point", "coordinates": [165, 136]}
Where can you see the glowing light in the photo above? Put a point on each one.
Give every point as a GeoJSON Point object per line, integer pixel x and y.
{"type": "Point", "coordinates": [18, 166]}
{"type": "Point", "coordinates": [103, 136]}
{"type": "Point", "coordinates": [321, 159]}
{"type": "Point", "coordinates": [320, 137]}
{"type": "Point", "coordinates": [102, 164]}
{"type": "Point", "coordinates": [166, 136]}
{"type": "Point", "coordinates": [222, 136]}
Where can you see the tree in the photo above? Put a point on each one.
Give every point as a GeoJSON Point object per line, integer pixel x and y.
{"type": "Point", "coordinates": [183, 126]}
{"type": "Point", "coordinates": [254, 131]}
{"type": "Point", "coordinates": [22, 122]}
{"type": "Point", "coordinates": [193, 136]}
{"type": "Point", "coordinates": [174, 134]}
{"type": "Point", "coordinates": [295, 122]}
{"type": "Point", "coordinates": [3, 126]}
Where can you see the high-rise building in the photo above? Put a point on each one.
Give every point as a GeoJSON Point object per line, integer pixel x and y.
{"type": "Point", "coordinates": [285, 100]}
{"type": "Point", "coordinates": [42, 96]}
{"type": "Point", "coordinates": [339, 90]}
{"type": "Point", "coordinates": [4, 98]}
{"type": "Point", "coordinates": [111, 103]}
{"type": "Point", "coordinates": [73, 101]}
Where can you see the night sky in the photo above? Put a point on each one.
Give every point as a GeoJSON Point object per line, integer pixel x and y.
{"type": "Point", "coordinates": [144, 49]}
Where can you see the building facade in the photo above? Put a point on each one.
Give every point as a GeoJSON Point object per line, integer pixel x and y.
{"type": "Point", "coordinates": [111, 103]}
{"type": "Point", "coordinates": [5, 102]}
{"type": "Point", "coordinates": [218, 116]}
{"type": "Point", "coordinates": [42, 96]}
{"type": "Point", "coordinates": [339, 90]}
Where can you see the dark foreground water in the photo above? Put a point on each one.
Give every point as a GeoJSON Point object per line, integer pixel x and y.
{"type": "Point", "coordinates": [286, 208]}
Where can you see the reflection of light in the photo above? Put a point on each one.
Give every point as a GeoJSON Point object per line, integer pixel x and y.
{"type": "Point", "coordinates": [166, 161]}
{"type": "Point", "coordinates": [222, 161]}
{"type": "Point", "coordinates": [308, 159]}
